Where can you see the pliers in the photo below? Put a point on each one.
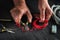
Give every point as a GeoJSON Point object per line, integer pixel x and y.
{"type": "Point", "coordinates": [4, 29]}
{"type": "Point", "coordinates": [25, 26]}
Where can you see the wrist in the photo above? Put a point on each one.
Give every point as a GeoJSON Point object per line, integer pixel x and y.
{"type": "Point", "coordinates": [43, 1]}
{"type": "Point", "coordinates": [19, 2]}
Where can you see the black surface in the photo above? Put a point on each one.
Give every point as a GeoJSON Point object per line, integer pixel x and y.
{"type": "Point", "coordinates": [44, 34]}
{"type": "Point", "coordinates": [35, 35]}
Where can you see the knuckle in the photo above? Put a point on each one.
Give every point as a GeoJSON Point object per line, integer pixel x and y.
{"type": "Point", "coordinates": [11, 10]}
{"type": "Point", "coordinates": [42, 9]}
{"type": "Point", "coordinates": [31, 17]}
{"type": "Point", "coordinates": [50, 12]}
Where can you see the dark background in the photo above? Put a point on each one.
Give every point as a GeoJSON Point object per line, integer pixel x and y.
{"type": "Point", "coordinates": [7, 5]}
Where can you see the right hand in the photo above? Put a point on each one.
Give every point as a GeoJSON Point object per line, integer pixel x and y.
{"type": "Point", "coordinates": [17, 13]}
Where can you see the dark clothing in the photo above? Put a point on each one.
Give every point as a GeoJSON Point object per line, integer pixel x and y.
{"type": "Point", "coordinates": [6, 5]}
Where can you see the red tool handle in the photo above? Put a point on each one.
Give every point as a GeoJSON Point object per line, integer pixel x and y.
{"type": "Point", "coordinates": [35, 25]}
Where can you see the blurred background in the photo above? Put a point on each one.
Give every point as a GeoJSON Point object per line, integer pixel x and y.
{"type": "Point", "coordinates": [7, 5]}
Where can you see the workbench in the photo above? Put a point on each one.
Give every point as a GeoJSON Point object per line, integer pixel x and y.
{"type": "Point", "coordinates": [44, 34]}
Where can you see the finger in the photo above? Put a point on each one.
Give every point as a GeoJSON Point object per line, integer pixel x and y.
{"type": "Point", "coordinates": [42, 15]}
{"type": "Point", "coordinates": [17, 21]}
{"type": "Point", "coordinates": [20, 17]}
{"type": "Point", "coordinates": [48, 13]}
{"type": "Point", "coordinates": [12, 12]}
{"type": "Point", "coordinates": [16, 14]}
{"type": "Point", "coordinates": [29, 16]}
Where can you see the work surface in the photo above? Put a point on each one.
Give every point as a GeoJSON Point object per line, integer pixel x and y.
{"type": "Point", "coordinates": [44, 34]}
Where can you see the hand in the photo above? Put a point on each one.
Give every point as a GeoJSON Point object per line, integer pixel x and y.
{"type": "Point", "coordinates": [45, 10]}
{"type": "Point", "coordinates": [18, 11]}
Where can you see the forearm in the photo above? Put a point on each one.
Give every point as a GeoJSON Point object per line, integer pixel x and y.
{"type": "Point", "coordinates": [19, 2]}
{"type": "Point", "coordinates": [41, 1]}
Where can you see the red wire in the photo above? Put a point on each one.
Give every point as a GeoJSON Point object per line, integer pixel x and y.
{"type": "Point", "coordinates": [35, 25]}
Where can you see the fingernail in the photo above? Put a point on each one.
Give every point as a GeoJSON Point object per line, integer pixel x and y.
{"type": "Point", "coordinates": [43, 19]}
{"type": "Point", "coordinates": [30, 21]}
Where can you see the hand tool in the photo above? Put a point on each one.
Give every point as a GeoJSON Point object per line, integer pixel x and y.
{"type": "Point", "coordinates": [4, 29]}
{"type": "Point", "coordinates": [25, 26]}
{"type": "Point", "coordinates": [37, 26]}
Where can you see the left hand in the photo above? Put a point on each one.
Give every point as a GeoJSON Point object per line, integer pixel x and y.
{"type": "Point", "coordinates": [45, 10]}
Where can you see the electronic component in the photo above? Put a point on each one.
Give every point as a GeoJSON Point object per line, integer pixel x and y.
{"type": "Point", "coordinates": [54, 29]}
